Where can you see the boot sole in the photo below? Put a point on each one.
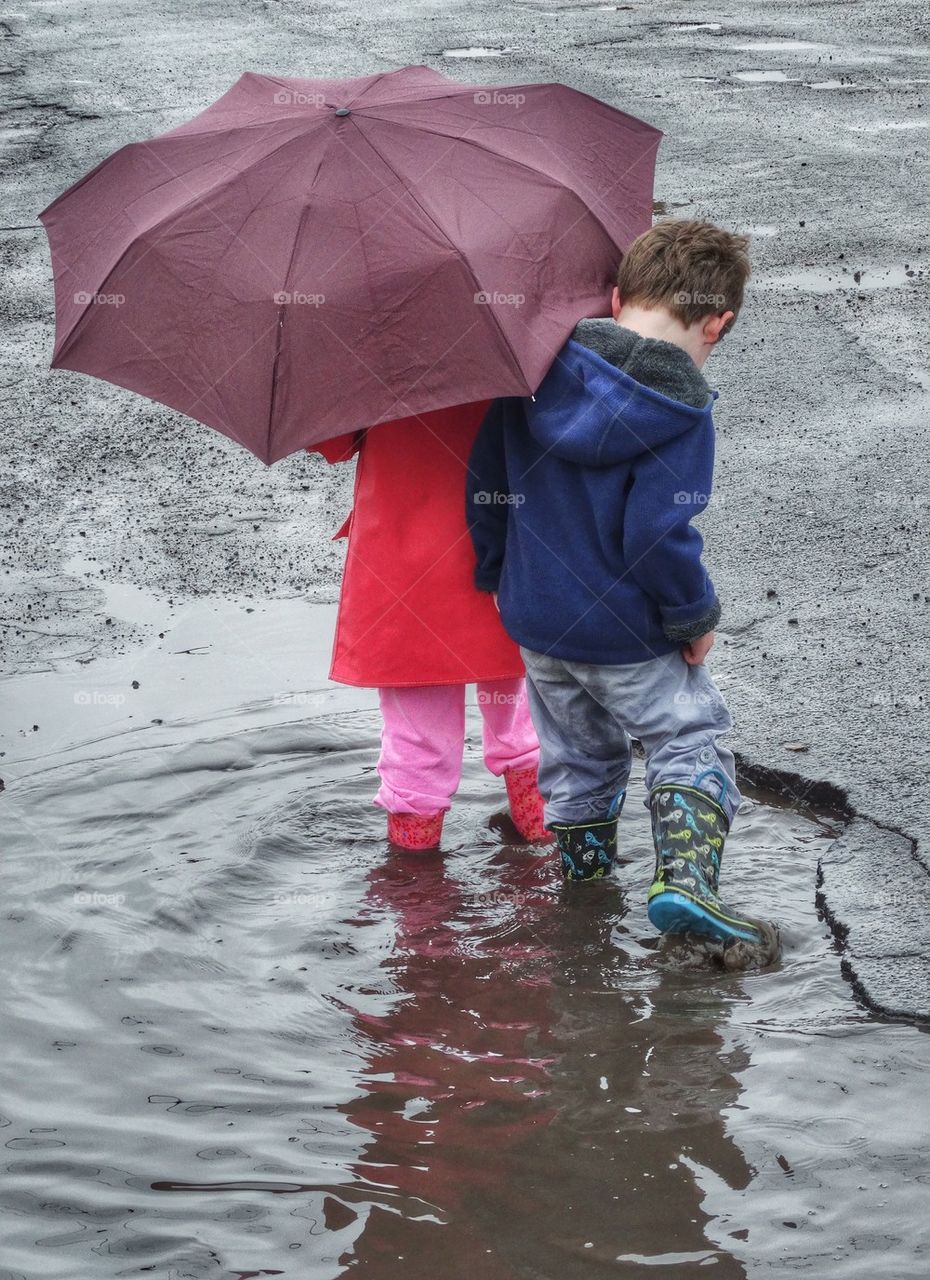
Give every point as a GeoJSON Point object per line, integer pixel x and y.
{"type": "Point", "coordinates": [675, 912]}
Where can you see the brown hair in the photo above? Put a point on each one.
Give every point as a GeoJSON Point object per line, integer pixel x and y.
{"type": "Point", "coordinates": [691, 269]}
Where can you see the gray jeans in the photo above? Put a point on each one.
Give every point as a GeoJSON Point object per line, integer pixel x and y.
{"type": "Point", "coordinates": [586, 714]}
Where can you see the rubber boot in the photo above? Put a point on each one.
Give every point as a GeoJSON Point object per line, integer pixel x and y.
{"type": "Point", "coordinates": [526, 804]}
{"type": "Point", "coordinates": [587, 849]}
{"type": "Point", "coordinates": [689, 829]}
{"type": "Point", "coordinates": [415, 830]}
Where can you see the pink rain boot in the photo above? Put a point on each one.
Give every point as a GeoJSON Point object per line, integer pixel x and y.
{"type": "Point", "coordinates": [415, 830]}
{"type": "Point", "coordinates": [526, 804]}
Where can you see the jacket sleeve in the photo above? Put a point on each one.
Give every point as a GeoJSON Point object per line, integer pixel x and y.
{"type": "Point", "coordinates": [339, 448]}
{"type": "Point", "coordinates": [486, 496]}
{"type": "Point", "coordinates": [661, 549]}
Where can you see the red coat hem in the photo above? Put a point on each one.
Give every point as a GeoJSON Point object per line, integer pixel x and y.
{"type": "Point", "coordinates": [425, 684]}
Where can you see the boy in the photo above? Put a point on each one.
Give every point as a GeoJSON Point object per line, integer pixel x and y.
{"type": "Point", "coordinates": [579, 505]}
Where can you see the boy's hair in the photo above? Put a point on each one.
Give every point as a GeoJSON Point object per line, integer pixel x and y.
{"type": "Point", "coordinates": [691, 269]}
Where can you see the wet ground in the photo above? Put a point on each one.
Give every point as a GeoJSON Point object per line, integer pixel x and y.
{"type": "Point", "coordinates": [251, 1041]}
{"type": "Point", "coordinates": [246, 1040]}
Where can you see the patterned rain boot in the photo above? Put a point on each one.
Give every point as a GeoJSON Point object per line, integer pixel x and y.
{"type": "Point", "coordinates": [526, 804]}
{"type": "Point", "coordinates": [415, 830]}
{"type": "Point", "coordinates": [587, 849]}
{"type": "Point", "coordinates": [689, 828]}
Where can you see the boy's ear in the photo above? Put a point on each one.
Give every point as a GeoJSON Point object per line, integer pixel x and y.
{"type": "Point", "coordinates": [716, 326]}
{"type": "Point", "coordinates": [615, 302]}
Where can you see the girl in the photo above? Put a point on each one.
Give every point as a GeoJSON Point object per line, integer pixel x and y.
{"type": "Point", "coordinates": [412, 624]}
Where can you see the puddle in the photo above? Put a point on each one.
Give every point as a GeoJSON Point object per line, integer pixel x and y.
{"type": "Point", "coordinates": [476, 51]}
{"type": "Point", "coordinates": [836, 279]}
{"type": "Point", "coordinates": [777, 76]}
{"type": "Point", "coordinates": [884, 126]}
{"type": "Point", "coordinates": [574, 8]}
{"type": "Point", "coordinates": [777, 46]}
{"type": "Point", "coordinates": [249, 1041]}
{"type": "Point", "coordinates": [831, 84]}
{"type": "Point", "coordinates": [764, 77]}
{"type": "Point", "coordinates": [829, 52]}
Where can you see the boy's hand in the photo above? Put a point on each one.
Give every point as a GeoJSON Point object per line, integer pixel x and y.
{"type": "Point", "coordinates": [695, 652]}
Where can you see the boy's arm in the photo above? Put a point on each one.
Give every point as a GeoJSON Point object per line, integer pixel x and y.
{"type": "Point", "coordinates": [661, 549]}
{"type": "Point", "coordinates": [486, 493]}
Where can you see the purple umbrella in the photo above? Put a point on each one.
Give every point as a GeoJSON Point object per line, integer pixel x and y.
{"type": "Point", "coordinates": [307, 257]}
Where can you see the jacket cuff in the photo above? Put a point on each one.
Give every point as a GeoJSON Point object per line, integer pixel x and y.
{"type": "Point", "coordinates": [487, 579]}
{"type": "Point", "coordinates": [681, 631]}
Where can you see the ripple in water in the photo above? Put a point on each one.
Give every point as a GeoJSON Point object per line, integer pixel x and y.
{"type": "Point", "coordinates": [249, 1041]}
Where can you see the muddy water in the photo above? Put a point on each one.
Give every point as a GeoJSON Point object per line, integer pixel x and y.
{"type": "Point", "coordinates": [242, 1039]}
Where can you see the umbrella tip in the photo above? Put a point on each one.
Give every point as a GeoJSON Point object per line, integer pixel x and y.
{"type": "Point", "coordinates": [343, 111]}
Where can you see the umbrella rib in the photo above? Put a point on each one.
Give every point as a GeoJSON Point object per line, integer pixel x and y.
{"type": "Point", "coordinates": [371, 85]}
{"type": "Point", "coordinates": [279, 335]}
{"type": "Point", "coordinates": [426, 213]}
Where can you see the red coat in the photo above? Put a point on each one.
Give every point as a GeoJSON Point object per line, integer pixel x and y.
{"type": "Point", "coordinates": [409, 613]}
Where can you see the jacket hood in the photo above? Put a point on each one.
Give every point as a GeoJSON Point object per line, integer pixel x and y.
{"type": "Point", "coordinates": [591, 411]}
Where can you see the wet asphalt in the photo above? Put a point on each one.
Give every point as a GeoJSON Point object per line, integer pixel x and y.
{"type": "Point", "coordinates": [805, 124]}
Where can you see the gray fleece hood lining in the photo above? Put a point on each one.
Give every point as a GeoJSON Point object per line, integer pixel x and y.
{"type": "Point", "coordinates": [652, 362]}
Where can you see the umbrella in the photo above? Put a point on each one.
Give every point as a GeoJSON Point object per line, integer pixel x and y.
{"type": "Point", "coordinates": [307, 257]}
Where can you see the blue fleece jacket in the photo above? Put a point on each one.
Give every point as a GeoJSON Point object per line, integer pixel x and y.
{"type": "Point", "coordinates": [579, 504]}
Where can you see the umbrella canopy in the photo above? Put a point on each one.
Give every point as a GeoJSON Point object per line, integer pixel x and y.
{"type": "Point", "coordinates": [310, 256]}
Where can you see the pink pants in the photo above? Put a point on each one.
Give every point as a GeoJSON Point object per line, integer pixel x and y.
{"type": "Point", "coordinates": [424, 737]}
